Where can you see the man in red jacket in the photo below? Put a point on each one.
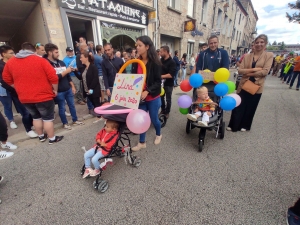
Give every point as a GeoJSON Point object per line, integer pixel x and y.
{"type": "Point", "coordinates": [36, 84]}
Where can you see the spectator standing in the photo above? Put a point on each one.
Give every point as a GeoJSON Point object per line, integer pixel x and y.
{"type": "Point", "coordinates": [296, 73]}
{"type": "Point", "coordinates": [39, 49]}
{"type": "Point", "coordinates": [66, 88]}
{"type": "Point", "coordinates": [98, 62]}
{"type": "Point", "coordinates": [254, 67]}
{"type": "Point", "coordinates": [8, 95]}
{"type": "Point", "coordinates": [278, 60]}
{"type": "Point", "coordinates": [192, 62]}
{"type": "Point", "coordinates": [177, 62]}
{"type": "Point", "coordinates": [167, 74]}
{"type": "Point", "coordinates": [110, 67]}
{"type": "Point", "coordinates": [35, 82]}
{"type": "Point", "coordinates": [183, 66]}
{"type": "Point", "coordinates": [92, 47]}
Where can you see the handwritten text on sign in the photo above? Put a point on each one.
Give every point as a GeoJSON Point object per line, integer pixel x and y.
{"type": "Point", "coordinates": [127, 90]}
{"type": "Point", "coordinates": [207, 75]}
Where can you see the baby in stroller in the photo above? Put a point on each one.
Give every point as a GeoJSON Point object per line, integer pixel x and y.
{"type": "Point", "coordinates": [205, 107]}
{"type": "Point", "coordinates": [105, 140]}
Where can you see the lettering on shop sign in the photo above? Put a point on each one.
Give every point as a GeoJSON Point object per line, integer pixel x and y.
{"type": "Point", "coordinates": [127, 90]}
{"type": "Point", "coordinates": [108, 8]}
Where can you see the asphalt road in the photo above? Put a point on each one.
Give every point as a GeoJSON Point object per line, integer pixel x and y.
{"type": "Point", "coordinates": [247, 178]}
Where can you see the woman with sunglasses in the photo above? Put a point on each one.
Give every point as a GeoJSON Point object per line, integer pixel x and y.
{"type": "Point", "coordinates": [39, 49]}
{"type": "Point", "coordinates": [150, 98]}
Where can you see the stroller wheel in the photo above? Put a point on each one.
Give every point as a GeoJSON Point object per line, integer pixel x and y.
{"type": "Point", "coordinates": [222, 130]}
{"type": "Point", "coordinates": [163, 120]}
{"type": "Point", "coordinates": [200, 146]}
{"type": "Point", "coordinates": [103, 186]}
{"type": "Point", "coordinates": [137, 162]}
{"type": "Point", "coordinates": [188, 127]}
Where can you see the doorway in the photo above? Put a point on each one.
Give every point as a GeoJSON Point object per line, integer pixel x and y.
{"type": "Point", "coordinates": [122, 42]}
{"type": "Point", "coordinates": [80, 28]}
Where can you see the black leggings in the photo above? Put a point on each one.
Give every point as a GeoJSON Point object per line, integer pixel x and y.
{"type": "Point", "coordinates": [3, 129]}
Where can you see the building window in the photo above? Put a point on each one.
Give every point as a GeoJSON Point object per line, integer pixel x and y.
{"type": "Point", "coordinates": [175, 4]}
{"type": "Point", "coordinates": [225, 24]}
{"type": "Point", "coordinates": [229, 28]}
{"type": "Point", "coordinates": [190, 11]}
{"type": "Point", "coordinates": [190, 50]}
{"type": "Point", "coordinates": [233, 33]}
{"type": "Point", "coordinates": [240, 19]}
{"type": "Point", "coordinates": [204, 12]}
{"type": "Point", "coordinates": [219, 18]}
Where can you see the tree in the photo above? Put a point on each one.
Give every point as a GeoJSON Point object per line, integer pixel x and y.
{"type": "Point", "coordinates": [274, 43]}
{"type": "Point", "coordinates": [295, 17]}
{"type": "Point", "coordinates": [282, 46]}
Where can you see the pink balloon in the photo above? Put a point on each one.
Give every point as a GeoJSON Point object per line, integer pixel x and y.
{"type": "Point", "coordinates": [237, 99]}
{"type": "Point", "coordinates": [138, 121]}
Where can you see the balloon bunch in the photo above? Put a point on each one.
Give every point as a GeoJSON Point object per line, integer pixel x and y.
{"type": "Point", "coordinates": [226, 88]}
{"type": "Point", "coordinates": [223, 88]}
{"type": "Point", "coordinates": [185, 101]}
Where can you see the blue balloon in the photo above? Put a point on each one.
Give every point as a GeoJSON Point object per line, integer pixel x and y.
{"type": "Point", "coordinates": [184, 101]}
{"type": "Point", "coordinates": [228, 103]}
{"type": "Point", "coordinates": [196, 80]}
{"type": "Point", "coordinates": [221, 89]}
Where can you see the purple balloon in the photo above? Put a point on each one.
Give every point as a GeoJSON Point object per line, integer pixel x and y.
{"type": "Point", "coordinates": [184, 101]}
{"type": "Point", "coordinates": [237, 99]}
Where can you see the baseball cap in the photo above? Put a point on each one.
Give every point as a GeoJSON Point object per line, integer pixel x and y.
{"type": "Point", "coordinates": [69, 49]}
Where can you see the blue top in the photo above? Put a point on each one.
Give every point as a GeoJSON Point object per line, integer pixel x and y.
{"type": "Point", "coordinates": [70, 61]}
{"type": "Point", "coordinates": [213, 60]}
{"type": "Point", "coordinates": [98, 61]}
{"type": "Point", "coordinates": [175, 58]}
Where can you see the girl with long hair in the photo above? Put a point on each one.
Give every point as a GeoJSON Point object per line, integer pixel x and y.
{"type": "Point", "coordinates": [150, 98]}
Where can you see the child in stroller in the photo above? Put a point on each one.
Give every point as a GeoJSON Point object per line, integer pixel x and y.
{"type": "Point", "coordinates": [215, 121]}
{"type": "Point", "coordinates": [105, 139]}
{"type": "Point", "coordinates": [205, 107]}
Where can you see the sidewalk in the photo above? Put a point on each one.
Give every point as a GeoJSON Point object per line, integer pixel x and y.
{"type": "Point", "coordinates": [19, 134]}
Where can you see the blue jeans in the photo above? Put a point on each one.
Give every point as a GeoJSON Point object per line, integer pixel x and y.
{"type": "Point", "coordinates": [89, 104]}
{"type": "Point", "coordinates": [61, 99]}
{"type": "Point", "coordinates": [7, 103]}
{"type": "Point", "coordinates": [152, 107]}
{"type": "Point", "coordinates": [176, 77]}
{"type": "Point", "coordinates": [183, 74]}
{"type": "Point", "coordinates": [295, 75]}
{"type": "Point", "coordinates": [90, 154]}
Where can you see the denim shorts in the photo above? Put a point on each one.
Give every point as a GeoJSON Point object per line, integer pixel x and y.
{"type": "Point", "coordinates": [41, 110]}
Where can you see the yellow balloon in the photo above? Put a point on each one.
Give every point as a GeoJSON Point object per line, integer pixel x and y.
{"type": "Point", "coordinates": [162, 91]}
{"type": "Point", "coordinates": [222, 75]}
{"type": "Point", "coordinates": [206, 81]}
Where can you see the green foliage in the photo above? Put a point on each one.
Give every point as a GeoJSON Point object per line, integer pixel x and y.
{"type": "Point", "coordinates": [295, 17]}
{"type": "Point", "coordinates": [274, 43]}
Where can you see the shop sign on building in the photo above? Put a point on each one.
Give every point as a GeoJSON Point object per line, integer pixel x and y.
{"type": "Point", "coordinates": [108, 8]}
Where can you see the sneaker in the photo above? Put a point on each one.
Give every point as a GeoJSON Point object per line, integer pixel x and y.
{"type": "Point", "coordinates": [202, 123]}
{"type": "Point", "coordinates": [9, 146]}
{"type": "Point", "coordinates": [44, 138]}
{"type": "Point", "coordinates": [228, 128]}
{"type": "Point", "coordinates": [297, 89]}
{"type": "Point", "coordinates": [32, 134]}
{"type": "Point", "coordinates": [138, 147]}
{"type": "Point", "coordinates": [243, 130]}
{"type": "Point", "coordinates": [95, 173]}
{"type": "Point", "coordinates": [4, 155]}
{"type": "Point", "coordinates": [87, 172]}
{"type": "Point", "coordinates": [78, 123]}
{"type": "Point", "coordinates": [292, 218]}
{"type": "Point", "coordinates": [13, 125]}
{"type": "Point", "coordinates": [67, 114]}
{"type": "Point", "coordinates": [57, 139]}
{"type": "Point", "coordinates": [157, 139]}
{"type": "Point", "coordinates": [191, 117]}
{"type": "Point", "coordinates": [67, 126]}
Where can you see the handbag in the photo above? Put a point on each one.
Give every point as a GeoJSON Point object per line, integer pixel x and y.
{"type": "Point", "coordinates": [250, 87]}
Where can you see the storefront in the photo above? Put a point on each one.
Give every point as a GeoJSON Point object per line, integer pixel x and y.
{"type": "Point", "coordinates": [103, 21]}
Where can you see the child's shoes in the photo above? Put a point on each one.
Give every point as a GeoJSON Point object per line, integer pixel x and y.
{"type": "Point", "coordinates": [88, 172]}
{"type": "Point", "coordinates": [95, 173]}
{"type": "Point", "coordinates": [202, 123]}
{"type": "Point", "coordinates": [191, 117]}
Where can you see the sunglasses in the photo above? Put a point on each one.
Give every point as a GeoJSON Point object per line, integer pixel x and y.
{"type": "Point", "coordinates": [38, 45]}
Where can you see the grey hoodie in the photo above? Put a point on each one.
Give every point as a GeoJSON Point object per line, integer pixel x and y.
{"type": "Point", "coordinates": [24, 53]}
